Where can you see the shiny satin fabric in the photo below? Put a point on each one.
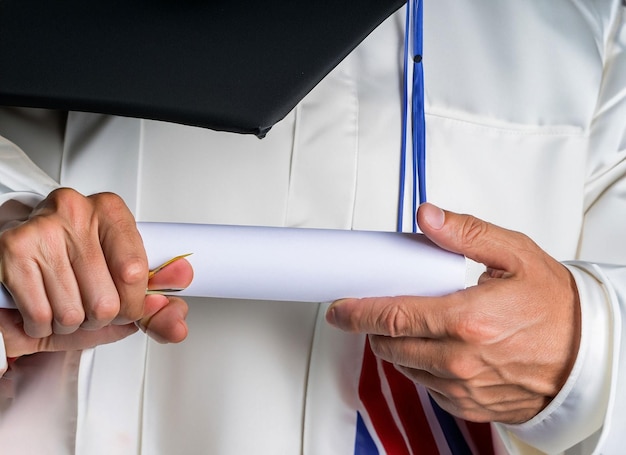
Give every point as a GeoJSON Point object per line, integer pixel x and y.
{"type": "Point", "coordinates": [526, 135]}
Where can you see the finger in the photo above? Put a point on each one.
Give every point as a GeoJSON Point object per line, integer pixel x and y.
{"type": "Point", "coordinates": [469, 403]}
{"type": "Point", "coordinates": [63, 295]}
{"type": "Point", "coordinates": [18, 343]}
{"type": "Point", "coordinates": [84, 339]}
{"type": "Point", "coordinates": [166, 321]}
{"type": "Point", "coordinates": [442, 359]}
{"type": "Point", "coordinates": [21, 276]}
{"type": "Point", "coordinates": [100, 299]}
{"type": "Point", "coordinates": [459, 374]}
{"type": "Point", "coordinates": [175, 275]}
{"type": "Point", "coordinates": [427, 317]}
{"type": "Point", "coordinates": [478, 240]}
{"type": "Point", "coordinates": [32, 302]}
{"type": "Point", "coordinates": [69, 231]}
{"type": "Point", "coordinates": [57, 275]}
{"type": "Point", "coordinates": [511, 410]}
{"type": "Point", "coordinates": [124, 252]}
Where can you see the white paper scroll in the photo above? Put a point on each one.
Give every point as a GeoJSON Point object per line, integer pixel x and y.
{"type": "Point", "coordinates": [297, 264]}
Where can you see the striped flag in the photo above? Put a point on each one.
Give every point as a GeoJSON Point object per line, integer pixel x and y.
{"type": "Point", "coordinates": [396, 416]}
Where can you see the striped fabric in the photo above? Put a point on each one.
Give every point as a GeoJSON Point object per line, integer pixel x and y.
{"type": "Point", "coordinates": [398, 417]}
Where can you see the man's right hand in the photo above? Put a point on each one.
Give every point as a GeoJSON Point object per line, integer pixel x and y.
{"type": "Point", "coordinates": [78, 273]}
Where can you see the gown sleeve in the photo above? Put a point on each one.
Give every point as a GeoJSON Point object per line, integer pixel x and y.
{"type": "Point", "coordinates": [589, 413]}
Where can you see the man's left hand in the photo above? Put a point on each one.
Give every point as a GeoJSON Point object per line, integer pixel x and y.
{"type": "Point", "coordinates": [498, 351]}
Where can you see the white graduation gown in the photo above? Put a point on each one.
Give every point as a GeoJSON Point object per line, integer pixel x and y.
{"type": "Point", "coordinates": [525, 128]}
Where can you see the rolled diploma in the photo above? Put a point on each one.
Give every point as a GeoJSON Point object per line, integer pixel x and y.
{"type": "Point", "coordinates": [301, 264]}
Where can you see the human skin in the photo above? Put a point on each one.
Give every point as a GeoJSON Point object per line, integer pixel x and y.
{"type": "Point", "coordinates": [78, 272]}
{"type": "Point", "coordinates": [496, 352]}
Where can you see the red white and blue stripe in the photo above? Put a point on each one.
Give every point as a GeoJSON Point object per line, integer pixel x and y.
{"type": "Point", "coordinates": [395, 415]}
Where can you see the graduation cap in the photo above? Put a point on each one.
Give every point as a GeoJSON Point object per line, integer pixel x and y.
{"type": "Point", "coordinates": [237, 66]}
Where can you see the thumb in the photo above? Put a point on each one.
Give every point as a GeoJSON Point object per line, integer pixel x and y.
{"type": "Point", "coordinates": [472, 237]}
{"type": "Point", "coordinates": [177, 273]}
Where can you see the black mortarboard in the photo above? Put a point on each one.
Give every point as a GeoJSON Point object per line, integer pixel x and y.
{"type": "Point", "coordinates": [227, 65]}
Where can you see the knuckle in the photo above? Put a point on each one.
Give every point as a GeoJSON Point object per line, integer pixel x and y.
{"type": "Point", "coordinates": [473, 230]}
{"type": "Point", "coordinates": [40, 315]}
{"type": "Point", "coordinates": [134, 271]}
{"type": "Point", "coordinates": [474, 328]}
{"type": "Point", "coordinates": [463, 368]}
{"type": "Point", "coordinates": [457, 393]}
{"type": "Point", "coordinates": [64, 200]}
{"type": "Point", "coordinates": [396, 320]}
{"type": "Point", "coordinates": [107, 197]}
{"type": "Point", "coordinates": [65, 211]}
{"type": "Point", "coordinates": [18, 240]}
{"type": "Point", "coordinates": [66, 195]}
{"type": "Point", "coordinates": [37, 321]}
{"type": "Point", "coordinates": [457, 402]}
{"type": "Point", "coordinates": [104, 309]}
{"type": "Point", "coordinates": [108, 201]}
{"type": "Point", "coordinates": [473, 415]}
{"type": "Point", "coordinates": [70, 318]}
{"type": "Point", "coordinates": [526, 244]}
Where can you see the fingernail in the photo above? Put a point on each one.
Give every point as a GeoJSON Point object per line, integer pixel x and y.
{"type": "Point", "coordinates": [331, 313]}
{"type": "Point", "coordinates": [331, 317]}
{"type": "Point", "coordinates": [433, 215]}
